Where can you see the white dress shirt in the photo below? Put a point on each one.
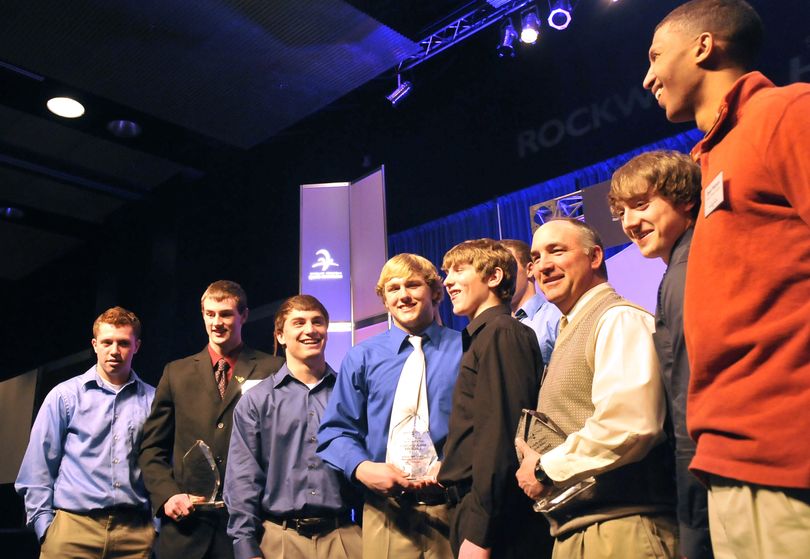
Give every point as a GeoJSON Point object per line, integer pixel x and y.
{"type": "Point", "coordinates": [628, 396]}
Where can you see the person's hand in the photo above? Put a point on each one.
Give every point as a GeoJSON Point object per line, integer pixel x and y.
{"type": "Point", "coordinates": [525, 474]}
{"type": "Point", "coordinates": [429, 482]}
{"type": "Point", "coordinates": [469, 550]}
{"type": "Point", "coordinates": [385, 479]}
{"type": "Point", "coordinates": [180, 506]}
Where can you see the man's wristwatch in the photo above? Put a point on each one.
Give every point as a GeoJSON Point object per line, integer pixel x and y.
{"type": "Point", "coordinates": [541, 475]}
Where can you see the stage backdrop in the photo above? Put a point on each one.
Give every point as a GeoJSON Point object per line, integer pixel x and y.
{"type": "Point", "coordinates": [343, 247]}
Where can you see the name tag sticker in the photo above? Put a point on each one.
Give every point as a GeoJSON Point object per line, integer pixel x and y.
{"type": "Point", "coordinates": [248, 384]}
{"type": "Point", "coordinates": [714, 195]}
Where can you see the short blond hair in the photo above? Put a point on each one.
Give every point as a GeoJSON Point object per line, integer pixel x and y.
{"type": "Point", "coordinates": [485, 255]}
{"type": "Point", "coordinates": [226, 289]}
{"type": "Point", "coordinates": [670, 174]}
{"type": "Point", "coordinates": [405, 265]}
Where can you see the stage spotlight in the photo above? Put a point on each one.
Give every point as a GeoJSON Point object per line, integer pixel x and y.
{"type": "Point", "coordinates": [508, 38]}
{"type": "Point", "coordinates": [560, 16]}
{"type": "Point", "coordinates": [530, 27]}
{"type": "Point", "coordinates": [65, 107]}
{"type": "Point", "coordinates": [401, 92]}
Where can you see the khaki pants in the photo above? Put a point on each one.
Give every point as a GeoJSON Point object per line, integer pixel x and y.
{"type": "Point", "coordinates": [98, 535]}
{"type": "Point", "coordinates": [630, 537]}
{"type": "Point", "coordinates": [752, 521]}
{"type": "Point", "coordinates": [395, 531]}
{"type": "Point", "coordinates": [280, 543]}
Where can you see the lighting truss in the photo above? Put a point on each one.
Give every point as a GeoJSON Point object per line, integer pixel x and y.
{"type": "Point", "coordinates": [460, 29]}
{"type": "Point", "coordinates": [568, 205]}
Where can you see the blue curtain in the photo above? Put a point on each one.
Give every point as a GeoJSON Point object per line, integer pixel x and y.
{"type": "Point", "coordinates": [507, 216]}
{"type": "Point", "coordinates": [434, 238]}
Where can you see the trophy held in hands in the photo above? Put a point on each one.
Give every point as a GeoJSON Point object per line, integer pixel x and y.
{"type": "Point", "coordinates": [201, 477]}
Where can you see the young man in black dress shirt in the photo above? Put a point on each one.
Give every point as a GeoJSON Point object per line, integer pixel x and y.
{"type": "Point", "coordinates": [499, 376]}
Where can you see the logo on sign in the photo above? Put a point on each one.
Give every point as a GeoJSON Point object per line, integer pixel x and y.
{"type": "Point", "coordinates": [325, 262]}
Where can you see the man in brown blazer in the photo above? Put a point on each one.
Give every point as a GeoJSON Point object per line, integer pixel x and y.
{"type": "Point", "coordinates": [194, 401]}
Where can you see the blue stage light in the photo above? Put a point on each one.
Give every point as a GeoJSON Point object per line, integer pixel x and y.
{"type": "Point", "coordinates": [560, 16]}
{"type": "Point", "coordinates": [530, 28]}
{"type": "Point", "coordinates": [400, 93]}
{"type": "Point", "coordinates": [508, 38]}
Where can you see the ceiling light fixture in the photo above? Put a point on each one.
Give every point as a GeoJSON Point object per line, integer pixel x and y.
{"type": "Point", "coordinates": [65, 107]}
{"type": "Point", "coordinates": [10, 212]}
{"type": "Point", "coordinates": [506, 47]}
{"type": "Point", "coordinates": [124, 128]}
{"type": "Point", "coordinates": [401, 92]}
{"type": "Point", "coordinates": [560, 16]}
{"type": "Point", "coordinates": [530, 27]}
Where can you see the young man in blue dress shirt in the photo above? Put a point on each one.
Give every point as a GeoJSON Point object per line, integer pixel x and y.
{"type": "Point", "coordinates": [402, 517]}
{"type": "Point", "coordinates": [529, 306]}
{"type": "Point", "coordinates": [83, 490]}
{"type": "Point", "coordinates": [284, 502]}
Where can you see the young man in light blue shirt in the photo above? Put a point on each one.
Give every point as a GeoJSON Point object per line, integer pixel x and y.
{"type": "Point", "coordinates": [83, 490]}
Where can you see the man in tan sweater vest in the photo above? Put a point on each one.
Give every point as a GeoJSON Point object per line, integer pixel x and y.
{"type": "Point", "coordinates": [603, 389]}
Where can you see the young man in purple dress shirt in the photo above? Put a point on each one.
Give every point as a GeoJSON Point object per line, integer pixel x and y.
{"type": "Point", "coordinates": [284, 502]}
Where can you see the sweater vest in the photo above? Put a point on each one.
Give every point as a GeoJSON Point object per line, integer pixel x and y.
{"type": "Point", "coordinates": [644, 487]}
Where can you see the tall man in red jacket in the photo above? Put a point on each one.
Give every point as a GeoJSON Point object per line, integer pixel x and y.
{"type": "Point", "coordinates": [747, 299]}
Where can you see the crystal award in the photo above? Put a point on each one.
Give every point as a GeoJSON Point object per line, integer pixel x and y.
{"type": "Point", "coordinates": [411, 449]}
{"type": "Point", "coordinates": [201, 476]}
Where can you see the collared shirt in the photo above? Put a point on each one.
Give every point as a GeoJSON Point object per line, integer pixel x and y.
{"type": "Point", "coordinates": [229, 359]}
{"type": "Point", "coordinates": [272, 466]}
{"type": "Point", "coordinates": [499, 377]}
{"type": "Point", "coordinates": [544, 318]}
{"type": "Point", "coordinates": [83, 450]}
{"type": "Point", "coordinates": [355, 426]}
{"type": "Point", "coordinates": [627, 394]}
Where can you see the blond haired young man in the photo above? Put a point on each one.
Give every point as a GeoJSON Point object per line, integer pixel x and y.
{"type": "Point", "coordinates": [403, 518]}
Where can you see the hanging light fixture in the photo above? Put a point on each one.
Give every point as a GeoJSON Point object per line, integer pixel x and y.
{"type": "Point", "coordinates": [530, 27]}
{"type": "Point", "coordinates": [506, 47]}
{"type": "Point", "coordinates": [401, 92]}
{"type": "Point", "coordinates": [560, 16]}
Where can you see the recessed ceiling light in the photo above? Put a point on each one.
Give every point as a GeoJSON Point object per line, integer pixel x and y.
{"type": "Point", "coordinates": [124, 128]}
{"type": "Point", "coordinates": [65, 107]}
{"type": "Point", "coordinates": [10, 212]}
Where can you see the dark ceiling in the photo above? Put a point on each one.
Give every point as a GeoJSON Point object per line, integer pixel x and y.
{"type": "Point", "coordinates": [241, 101]}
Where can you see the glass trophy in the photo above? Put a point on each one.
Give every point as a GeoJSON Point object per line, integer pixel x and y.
{"type": "Point", "coordinates": [542, 435]}
{"type": "Point", "coordinates": [201, 477]}
{"type": "Point", "coordinates": [411, 448]}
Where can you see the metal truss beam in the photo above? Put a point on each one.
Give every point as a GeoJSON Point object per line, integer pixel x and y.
{"type": "Point", "coordinates": [460, 29]}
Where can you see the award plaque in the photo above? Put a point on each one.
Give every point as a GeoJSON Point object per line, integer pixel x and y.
{"type": "Point", "coordinates": [411, 448]}
{"type": "Point", "coordinates": [201, 476]}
